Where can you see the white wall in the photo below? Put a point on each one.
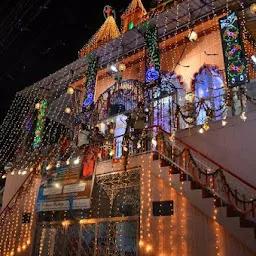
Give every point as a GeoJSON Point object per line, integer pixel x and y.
{"type": "Point", "coordinates": [233, 146]}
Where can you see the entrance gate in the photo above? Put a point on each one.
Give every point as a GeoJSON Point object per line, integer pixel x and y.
{"type": "Point", "coordinates": [91, 237]}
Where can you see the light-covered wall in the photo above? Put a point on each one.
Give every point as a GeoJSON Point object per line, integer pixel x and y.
{"type": "Point", "coordinates": [188, 231]}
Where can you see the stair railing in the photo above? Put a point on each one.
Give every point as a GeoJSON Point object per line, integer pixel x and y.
{"type": "Point", "coordinates": [221, 182]}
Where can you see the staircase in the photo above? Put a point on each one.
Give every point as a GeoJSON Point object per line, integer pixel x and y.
{"type": "Point", "coordinates": [214, 190]}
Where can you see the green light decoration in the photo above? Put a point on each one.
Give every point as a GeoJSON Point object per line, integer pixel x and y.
{"type": "Point", "coordinates": [40, 123]}
{"type": "Point", "coordinates": [91, 80]}
{"type": "Point", "coordinates": [152, 54]}
{"type": "Point", "coordinates": [131, 25]}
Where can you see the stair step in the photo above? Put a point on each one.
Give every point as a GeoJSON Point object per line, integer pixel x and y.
{"type": "Point", "coordinates": [164, 163]}
{"type": "Point", "coordinates": [155, 156]}
{"type": "Point", "coordinates": [231, 212]}
{"type": "Point", "coordinates": [206, 193]}
{"type": "Point", "coordinates": [195, 185]}
{"type": "Point", "coordinates": [174, 170]}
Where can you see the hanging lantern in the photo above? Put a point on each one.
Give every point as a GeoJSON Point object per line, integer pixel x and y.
{"type": "Point", "coordinates": [201, 130]}
{"type": "Point", "coordinates": [38, 105]}
{"type": "Point", "coordinates": [206, 126]}
{"type": "Point", "coordinates": [122, 67]}
{"type": "Point", "coordinates": [125, 148]}
{"type": "Point", "coordinates": [112, 152]}
{"type": "Point", "coordinates": [67, 110]}
{"type": "Point", "coordinates": [224, 122]}
{"type": "Point", "coordinates": [189, 97]}
{"type": "Point", "coordinates": [192, 36]}
{"type": "Point", "coordinates": [70, 90]}
{"type": "Point", "coordinates": [253, 8]}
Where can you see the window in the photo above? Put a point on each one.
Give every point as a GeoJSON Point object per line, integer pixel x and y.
{"type": "Point", "coordinates": [209, 94]}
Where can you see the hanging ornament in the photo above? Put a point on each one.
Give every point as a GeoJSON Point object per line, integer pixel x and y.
{"type": "Point", "coordinates": [112, 152]}
{"type": "Point", "coordinates": [192, 36]}
{"type": "Point", "coordinates": [125, 148]}
{"type": "Point", "coordinates": [122, 67]}
{"type": "Point", "coordinates": [70, 90]}
{"type": "Point", "coordinates": [67, 110]}
{"type": "Point", "coordinates": [253, 8]}
{"type": "Point", "coordinates": [201, 130]}
{"type": "Point", "coordinates": [38, 105]}
{"type": "Point", "coordinates": [224, 122]}
{"type": "Point", "coordinates": [243, 116]}
{"type": "Point", "coordinates": [138, 145]}
{"type": "Point", "coordinates": [206, 126]}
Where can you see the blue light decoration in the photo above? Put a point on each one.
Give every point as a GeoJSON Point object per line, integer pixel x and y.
{"type": "Point", "coordinates": [233, 51]}
{"type": "Point", "coordinates": [151, 74]}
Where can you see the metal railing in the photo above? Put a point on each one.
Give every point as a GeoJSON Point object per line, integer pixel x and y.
{"type": "Point", "coordinates": [221, 182]}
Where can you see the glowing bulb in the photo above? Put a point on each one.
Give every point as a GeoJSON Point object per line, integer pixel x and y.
{"type": "Point", "coordinates": [19, 172]}
{"type": "Point", "coordinates": [125, 148]}
{"type": "Point", "coordinates": [19, 249]}
{"type": "Point", "coordinates": [13, 172]}
{"type": "Point", "coordinates": [12, 253]}
{"type": "Point", "coordinates": [141, 243]}
{"type": "Point", "coordinates": [56, 185]}
{"type": "Point", "coordinates": [253, 8]}
{"type": "Point", "coordinates": [111, 131]}
{"type": "Point", "coordinates": [24, 173]}
{"type": "Point", "coordinates": [112, 152]}
{"type": "Point", "coordinates": [23, 246]}
{"type": "Point", "coordinates": [70, 90]}
{"type": "Point", "coordinates": [154, 142]}
{"type": "Point", "coordinates": [68, 161]}
{"type": "Point", "coordinates": [122, 67]}
{"type": "Point", "coordinates": [4, 176]}
{"type": "Point", "coordinates": [192, 36]}
{"type": "Point", "coordinates": [224, 122]}
{"type": "Point", "coordinates": [28, 242]}
{"type": "Point", "coordinates": [253, 57]}
{"type": "Point", "coordinates": [38, 105]}
{"type": "Point", "coordinates": [148, 248]}
{"type": "Point", "coordinates": [65, 223]}
{"type": "Point", "coordinates": [77, 160]}
{"type": "Point", "coordinates": [113, 68]}
{"type": "Point", "coordinates": [201, 130]}
{"type": "Point", "coordinates": [243, 116]}
{"type": "Point", "coordinates": [48, 167]}
{"type": "Point", "coordinates": [138, 145]}
{"type": "Point", "coordinates": [67, 110]}
{"type": "Point", "coordinates": [58, 164]}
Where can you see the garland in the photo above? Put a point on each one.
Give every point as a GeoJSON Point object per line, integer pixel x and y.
{"type": "Point", "coordinates": [229, 191]}
{"type": "Point", "coordinates": [40, 123]}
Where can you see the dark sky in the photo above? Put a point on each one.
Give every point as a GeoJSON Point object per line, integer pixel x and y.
{"type": "Point", "coordinates": [37, 39]}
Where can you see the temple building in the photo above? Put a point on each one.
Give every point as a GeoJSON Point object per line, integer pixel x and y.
{"type": "Point", "coordinates": [144, 145]}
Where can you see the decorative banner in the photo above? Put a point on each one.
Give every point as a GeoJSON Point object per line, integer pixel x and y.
{"type": "Point", "coordinates": [91, 80]}
{"type": "Point", "coordinates": [40, 123]}
{"type": "Point", "coordinates": [152, 55]}
{"type": "Point", "coordinates": [59, 184]}
{"type": "Point", "coordinates": [233, 51]}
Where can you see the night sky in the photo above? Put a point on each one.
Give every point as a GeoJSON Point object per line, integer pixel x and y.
{"type": "Point", "coordinates": [41, 37]}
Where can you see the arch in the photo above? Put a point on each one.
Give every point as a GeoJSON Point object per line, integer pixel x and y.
{"type": "Point", "coordinates": [208, 85]}
{"type": "Point", "coordinates": [118, 98]}
{"type": "Point", "coordinates": [169, 93]}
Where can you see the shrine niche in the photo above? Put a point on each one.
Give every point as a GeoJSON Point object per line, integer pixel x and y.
{"type": "Point", "coordinates": [119, 98]}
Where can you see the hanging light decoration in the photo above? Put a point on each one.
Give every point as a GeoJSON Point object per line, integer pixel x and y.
{"type": "Point", "coordinates": [122, 67]}
{"type": "Point", "coordinates": [70, 90]}
{"type": "Point", "coordinates": [67, 110]}
{"type": "Point", "coordinates": [154, 142]}
{"type": "Point", "coordinates": [192, 36]}
{"type": "Point", "coordinates": [206, 126]}
{"type": "Point", "coordinates": [253, 8]}
{"type": "Point", "coordinates": [138, 145]}
{"type": "Point", "coordinates": [113, 68]}
{"type": "Point", "coordinates": [243, 116]}
{"type": "Point", "coordinates": [77, 160]}
{"type": "Point", "coordinates": [112, 152]}
{"type": "Point", "coordinates": [201, 130]}
{"type": "Point", "coordinates": [125, 148]}
{"type": "Point", "coordinates": [224, 122]}
{"type": "Point", "coordinates": [38, 105]}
